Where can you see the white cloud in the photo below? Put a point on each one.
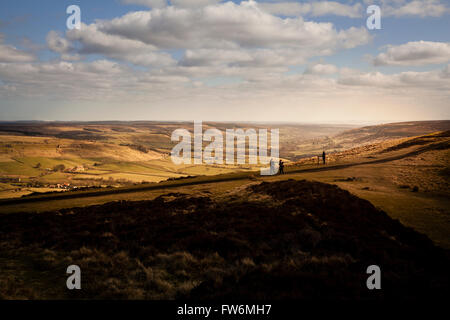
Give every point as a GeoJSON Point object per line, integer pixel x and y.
{"type": "Point", "coordinates": [10, 53]}
{"type": "Point", "coordinates": [193, 3]}
{"type": "Point", "coordinates": [286, 8]}
{"type": "Point", "coordinates": [172, 93]}
{"type": "Point", "coordinates": [322, 69]}
{"type": "Point", "coordinates": [103, 79]}
{"type": "Point", "coordinates": [431, 80]}
{"type": "Point", "coordinates": [372, 79]}
{"type": "Point", "coordinates": [233, 56]}
{"type": "Point", "coordinates": [421, 8]}
{"type": "Point", "coordinates": [414, 54]}
{"type": "Point", "coordinates": [100, 79]}
{"type": "Point", "coordinates": [61, 45]}
{"type": "Point", "coordinates": [176, 3]}
{"type": "Point", "coordinates": [94, 41]}
{"type": "Point", "coordinates": [315, 9]}
{"type": "Point", "coordinates": [230, 26]}
{"type": "Point", "coordinates": [225, 34]}
{"type": "Point", "coordinates": [57, 43]}
{"type": "Point", "coordinates": [414, 8]}
{"type": "Point", "coordinates": [239, 58]}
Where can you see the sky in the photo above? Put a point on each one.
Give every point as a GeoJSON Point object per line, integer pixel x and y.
{"type": "Point", "coordinates": [271, 60]}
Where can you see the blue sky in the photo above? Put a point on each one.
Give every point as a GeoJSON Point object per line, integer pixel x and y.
{"type": "Point", "coordinates": [212, 60]}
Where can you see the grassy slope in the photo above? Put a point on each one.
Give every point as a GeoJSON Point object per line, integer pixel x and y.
{"type": "Point", "coordinates": [281, 240]}
{"type": "Point", "coordinates": [109, 155]}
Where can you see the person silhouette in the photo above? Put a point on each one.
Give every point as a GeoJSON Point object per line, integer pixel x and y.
{"type": "Point", "coordinates": [323, 157]}
{"type": "Point", "coordinates": [272, 167]}
{"type": "Point", "coordinates": [281, 166]}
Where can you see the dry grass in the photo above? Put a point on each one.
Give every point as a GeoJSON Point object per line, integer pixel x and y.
{"type": "Point", "coordinates": [298, 239]}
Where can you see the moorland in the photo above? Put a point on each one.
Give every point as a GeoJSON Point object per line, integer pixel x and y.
{"type": "Point", "coordinates": [382, 198]}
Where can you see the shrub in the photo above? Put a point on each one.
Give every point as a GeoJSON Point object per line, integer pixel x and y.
{"type": "Point", "coordinates": [59, 167]}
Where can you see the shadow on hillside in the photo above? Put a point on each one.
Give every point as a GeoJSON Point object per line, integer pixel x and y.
{"type": "Point", "coordinates": [281, 240]}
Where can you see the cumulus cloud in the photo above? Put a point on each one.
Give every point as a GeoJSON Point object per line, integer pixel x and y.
{"type": "Point", "coordinates": [229, 34]}
{"type": "Point", "coordinates": [315, 9]}
{"type": "Point", "coordinates": [421, 8]}
{"type": "Point", "coordinates": [218, 56]}
{"type": "Point", "coordinates": [372, 79]}
{"type": "Point", "coordinates": [57, 43]}
{"type": "Point", "coordinates": [225, 25]}
{"type": "Point", "coordinates": [61, 45]}
{"type": "Point", "coordinates": [174, 92]}
{"type": "Point", "coordinates": [193, 3]}
{"type": "Point", "coordinates": [234, 58]}
{"type": "Point", "coordinates": [10, 53]}
{"type": "Point", "coordinates": [433, 80]}
{"type": "Point", "coordinates": [100, 79]}
{"type": "Point", "coordinates": [94, 41]}
{"type": "Point", "coordinates": [318, 8]}
{"type": "Point", "coordinates": [414, 8]}
{"type": "Point", "coordinates": [176, 3]}
{"type": "Point", "coordinates": [414, 54]}
{"type": "Point", "coordinates": [322, 69]}
{"type": "Point", "coordinates": [285, 8]}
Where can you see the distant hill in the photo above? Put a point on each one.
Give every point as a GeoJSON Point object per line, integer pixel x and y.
{"type": "Point", "coordinates": [357, 137]}
{"type": "Point", "coordinates": [382, 132]}
{"type": "Point", "coordinates": [87, 143]}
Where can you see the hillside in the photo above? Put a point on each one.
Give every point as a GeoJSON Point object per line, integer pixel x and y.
{"type": "Point", "coordinates": [39, 157]}
{"type": "Point", "coordinates": [287, 239]}
{"type": "Point", "coordinates": [379, 133]}
{"type": "Point", "coordinates": [390, 133]}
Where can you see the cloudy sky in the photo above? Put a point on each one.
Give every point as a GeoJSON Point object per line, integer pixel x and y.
{"type": "Point", "coordinates": [302, 61]}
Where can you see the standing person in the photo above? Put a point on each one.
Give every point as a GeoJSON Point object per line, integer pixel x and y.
{"type": "Point", "coordinates": [323, 157]}
{"type": "Point", "coordinates": [281, 165]}
{"type": "Point", "coordinates": [272, 165]}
